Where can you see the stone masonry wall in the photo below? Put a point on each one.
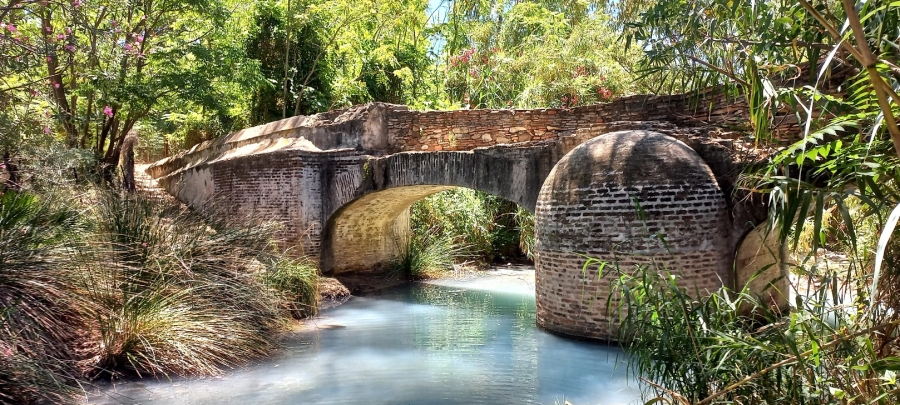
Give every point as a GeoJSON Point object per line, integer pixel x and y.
{"type": "Point", "coordinates": [468, 129]}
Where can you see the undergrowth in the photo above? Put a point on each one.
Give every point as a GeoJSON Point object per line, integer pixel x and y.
{"type": "Point", "coordinates": [463, 226]}
{"type": "Point", "coordinates": [731, 348]}
{"type": "Point", "coordinates": [104, 285]}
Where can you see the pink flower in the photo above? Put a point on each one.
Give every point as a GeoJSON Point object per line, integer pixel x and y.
{"type": "Point", "coordinates": [76, 3]}
{"type": "Point", "coordinates": [108, 111]}
{"type": "Point", "coordinates": [140, 38]}
{"type": "Point", "coordinates": [127, 47]}
{"type": "Point", "coordinates": [61, 37]}
{"type": "Point", "coordinates": [46, 130]}
{"type": "Point", "coordinates": [144, 244]}
{"type": "Point", "coordinates": [49, 58]}
{"type": "Point", "coordinates": [70, 48]}
{"type": "Point", "coordinates": [55, 85]}
{"type": "Point", "coordinates": [48, 29]}
{"type": "Point", "coordinates": [12, 28]}
{"type": "Point", "coordinates": [69, 30]}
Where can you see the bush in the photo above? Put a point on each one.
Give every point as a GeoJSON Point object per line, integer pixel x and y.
{"type": "Point", "coordinates": [487, 226]}
{"type": "Point", "coordinates": [730, 348]}
{"type": "Point", "coordinates": [133, 285]}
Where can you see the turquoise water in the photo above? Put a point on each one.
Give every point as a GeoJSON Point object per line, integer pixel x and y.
{"type": "Point", "coordinates": [418, 344]}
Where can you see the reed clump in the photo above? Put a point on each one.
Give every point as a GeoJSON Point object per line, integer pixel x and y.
{"type": "Point", "coordinates": [104, 285]}
{"type": "Point", "coordinates": [463, 227]}
{"type": "Point", "coordinates": [833, 347]}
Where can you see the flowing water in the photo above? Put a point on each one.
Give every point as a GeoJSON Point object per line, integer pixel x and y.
{"type": "Point", "coordinates": [454, 342]}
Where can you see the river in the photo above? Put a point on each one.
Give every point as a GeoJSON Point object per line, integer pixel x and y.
{"type": "Point", "coordinates": [446, 342]}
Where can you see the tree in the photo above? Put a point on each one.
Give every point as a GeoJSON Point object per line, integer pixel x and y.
{"type": "Point", "coordinates": [105, 66]}
{"type": "Point", "coordinates": [533, 54]}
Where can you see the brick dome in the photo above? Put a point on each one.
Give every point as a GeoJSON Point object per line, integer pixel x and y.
{"type": "Point", "coordinates": [627, 198]}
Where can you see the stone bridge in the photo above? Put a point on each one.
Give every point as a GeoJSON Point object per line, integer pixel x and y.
{"type": "Point", "coordinates": [654, 189]}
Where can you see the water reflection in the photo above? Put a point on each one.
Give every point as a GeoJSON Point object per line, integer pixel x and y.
{"type": "Point", "coordinates": [421, 344]}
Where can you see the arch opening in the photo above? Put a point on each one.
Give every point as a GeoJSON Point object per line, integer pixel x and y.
{"type": "Point", "coordinates": [371, 234]}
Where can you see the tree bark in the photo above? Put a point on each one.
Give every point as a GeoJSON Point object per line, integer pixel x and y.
{"type": "Point", "coordinates": [131, 140]}
{"type": "Point", "coordinates": [57, 88]}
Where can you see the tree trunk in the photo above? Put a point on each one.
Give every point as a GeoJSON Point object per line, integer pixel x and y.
{"type": "Point", "coordinates": [12, 178]}
{"type": "Point", "coordinates": [131, 140]}
{"type": "Point", "coordinates": [57, 89]}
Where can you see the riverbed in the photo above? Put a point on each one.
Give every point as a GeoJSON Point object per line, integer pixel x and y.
{"type": "Point", "coordinates": [452, 341]}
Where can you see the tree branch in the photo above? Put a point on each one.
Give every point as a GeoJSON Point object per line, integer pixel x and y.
{"type": "Point", "coordinates": [718, 69]}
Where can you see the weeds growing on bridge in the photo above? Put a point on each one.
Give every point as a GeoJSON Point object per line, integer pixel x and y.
{"type": "Point", "coordinates": [99, 284]}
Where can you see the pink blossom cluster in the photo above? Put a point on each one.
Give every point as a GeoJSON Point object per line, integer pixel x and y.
{"type": "Point", "coordinates": [463, 58]}
{"type": "Point", "coordinates": [569, 101]}
{"type": "Point", "coordinates": [604, 93]}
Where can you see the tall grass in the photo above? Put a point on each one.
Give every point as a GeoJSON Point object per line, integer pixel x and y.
{"type": "Point", "coordinates": [37, 323]}
{"type": "Point", "coordinates": [730, 348]}
{"type": "Point", "coordinates": [125, 284]}
{"type": "Point", "coordinates": [485, 227]}
{"type": "Point", "coordinates": [428, 255]}
{"type": "Point", "coordinates": [168, 293]}
{"type": "Point", "coordinates": [297, 284]}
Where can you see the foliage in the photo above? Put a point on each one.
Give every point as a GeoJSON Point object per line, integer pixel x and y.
{"type": "Point", "coordinates": [94, 70]}
{"type": "Point", "coordinates": [533, 54]}
{"type": "Point", "coordinates": [290, 49]}
{"type": "Point", "coordinates": [484, 224]}
{"type": "Point", "coordinates": [104, 284]}
{"type": "Point", "coordinates": [830, 188]}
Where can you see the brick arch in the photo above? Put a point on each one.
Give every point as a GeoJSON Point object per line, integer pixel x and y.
{"type": "Point", "coordinates": [366, 229]}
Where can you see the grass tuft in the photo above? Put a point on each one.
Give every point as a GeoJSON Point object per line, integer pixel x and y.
{"type": "Point", "coordinates": [111, 285]}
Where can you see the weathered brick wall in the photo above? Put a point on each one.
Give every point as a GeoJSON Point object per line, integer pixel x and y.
{"type": "Point", "coordinates": [468, 129]}
{"type": "Point", "coordinates": [269, 187]}
{"type": "Point", "coordinates": [616, 198]}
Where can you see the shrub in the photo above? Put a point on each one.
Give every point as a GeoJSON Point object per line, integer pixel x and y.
{"type": "Point", "coordinates": [165, 293]}
{"type": "Point", "coordinates": [36, 323]}
{"type": "Point", "coordinates": [297, 282]}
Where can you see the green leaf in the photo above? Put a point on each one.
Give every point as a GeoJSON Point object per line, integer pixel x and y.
{"type": "Point", "coordinates": [882, 247]}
